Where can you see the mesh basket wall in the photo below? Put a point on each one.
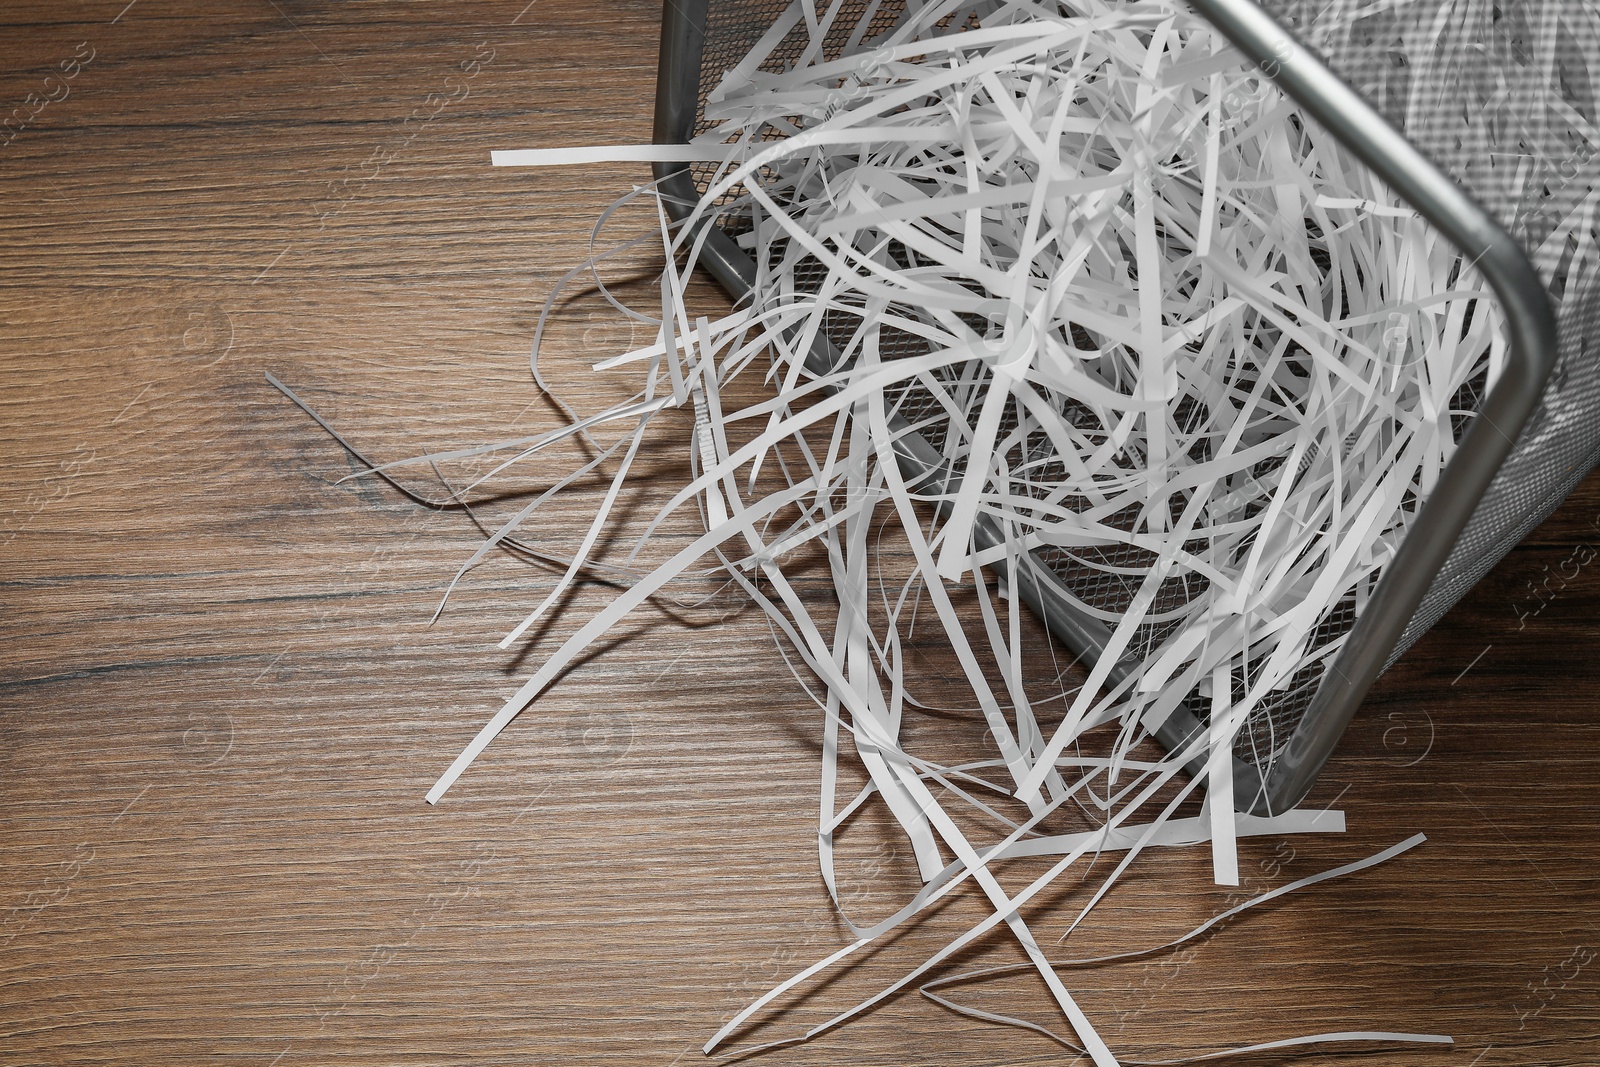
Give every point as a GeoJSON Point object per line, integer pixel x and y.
{"type": "Point", "coordinates": [1502, 97]}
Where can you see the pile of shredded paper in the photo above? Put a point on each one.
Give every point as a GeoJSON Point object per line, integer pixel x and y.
{"type": "Point", "coordinates": [1077, 276]}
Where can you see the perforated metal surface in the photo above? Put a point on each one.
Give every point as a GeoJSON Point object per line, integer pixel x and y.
{"type": "Point", "coordinates": [1562, 441]}
{"type": "Point", "coordinates": [1496, 94]}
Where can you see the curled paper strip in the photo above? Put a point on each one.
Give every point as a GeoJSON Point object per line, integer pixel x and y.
{"type": "Point", "coordinates": [1038, 282]}
{"type": "Point", "coordinates": [1343, 1036]}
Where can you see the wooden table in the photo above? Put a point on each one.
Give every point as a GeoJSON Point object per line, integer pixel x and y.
{"type": "Point", "coordinates": [222, 699]}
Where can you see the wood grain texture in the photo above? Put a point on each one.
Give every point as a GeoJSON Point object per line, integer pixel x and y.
{"type": "Point", "coordinates": [221, 699]}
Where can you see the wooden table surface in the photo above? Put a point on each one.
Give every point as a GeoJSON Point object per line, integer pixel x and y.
{"type": "Point", "coordinates": [222, 698]}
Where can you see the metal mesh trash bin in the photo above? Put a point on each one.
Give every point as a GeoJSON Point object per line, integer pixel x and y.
{"type": "Point", "coordinates": [1522, 446]}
